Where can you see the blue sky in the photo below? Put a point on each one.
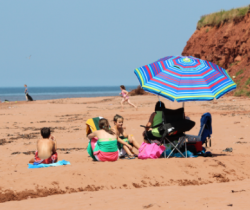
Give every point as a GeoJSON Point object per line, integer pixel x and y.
{"type": "Point", "coordinates": [93, 43]}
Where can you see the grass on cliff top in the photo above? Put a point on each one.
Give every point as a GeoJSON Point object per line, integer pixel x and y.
{"type": "Point", "coordinates": [217, 18]}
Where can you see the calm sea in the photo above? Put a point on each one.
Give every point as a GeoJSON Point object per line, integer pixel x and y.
{"type": "Point", "coordinates": [46, 93]}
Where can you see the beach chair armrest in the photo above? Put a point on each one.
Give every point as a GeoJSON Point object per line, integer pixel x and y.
{"type": "Point", "coordinates": [144, 126]}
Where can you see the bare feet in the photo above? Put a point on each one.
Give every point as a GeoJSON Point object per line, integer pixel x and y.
{"type": "Point", "coordinates": [131, 156]}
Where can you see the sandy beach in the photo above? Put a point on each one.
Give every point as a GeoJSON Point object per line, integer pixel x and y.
{"type": "Point", "coordinates": [217, 182]}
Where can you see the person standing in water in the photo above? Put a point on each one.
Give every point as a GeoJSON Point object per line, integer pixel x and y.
{"type": "Point", "coordinates": [28, 97]}
{"type": "Point", "coordinates": [125, 97]}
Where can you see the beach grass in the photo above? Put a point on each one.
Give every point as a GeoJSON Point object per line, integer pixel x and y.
{"type": "Point", "coordinates": [238, 82]}
{"type": "Point", "coordinates": [243, 89]}
{"type": "Point", "coordinates": [235, 63]}
{"type": "Point", "coordinates": [239, 72]}
{"type": "Point", "coordinates": [240, 92]}
{"type": "Point", "coordinates": [248, 81]}
{"type": "Point", "coordinates": [217, 18]}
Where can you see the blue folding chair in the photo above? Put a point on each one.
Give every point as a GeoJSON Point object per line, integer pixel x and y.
{"type": "Point", "coordinates": [205, 131]}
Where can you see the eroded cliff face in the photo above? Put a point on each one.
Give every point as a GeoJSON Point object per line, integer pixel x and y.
{"type": "Point", "coordinates": [227, 45]}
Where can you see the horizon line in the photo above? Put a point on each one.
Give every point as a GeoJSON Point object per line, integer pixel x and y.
{"type": "Point", "coordinates": [64, 86]}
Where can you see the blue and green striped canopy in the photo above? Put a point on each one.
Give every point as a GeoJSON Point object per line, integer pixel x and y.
{"type": "Point", "coordinates": [185, 78]}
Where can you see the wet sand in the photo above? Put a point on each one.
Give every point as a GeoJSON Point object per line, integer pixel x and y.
{"type": "Point", "coordinates": [135, 184]}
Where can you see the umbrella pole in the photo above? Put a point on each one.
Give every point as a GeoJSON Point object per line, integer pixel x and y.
{"type": "Point", "coordinates": [183, 108]}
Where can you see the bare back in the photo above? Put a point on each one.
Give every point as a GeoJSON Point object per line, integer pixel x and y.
{"type": "Point", "coordinates": [102, 134]}
{"type": "Point", "coordinates": [45, 148]}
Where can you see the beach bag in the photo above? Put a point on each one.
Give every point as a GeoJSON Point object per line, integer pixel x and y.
{"type": "Point", "coordinates": [152, 151]}
{"type": "Point", "coordinates": [197, 146]}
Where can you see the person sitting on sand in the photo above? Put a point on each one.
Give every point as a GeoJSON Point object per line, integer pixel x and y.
{"type": "Point", "coordinates": [46, 148]}
{"type": "Point", "coordinates": [155, 119]}
{"type": "Point", "coordinates": [125, 97]}
{"type": "Point", "coordinates": [103, 143]}
{"type": "Point", "coordinates": [128, 141]}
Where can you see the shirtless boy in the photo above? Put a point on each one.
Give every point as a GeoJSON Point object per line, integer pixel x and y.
{"type": "Point", "coordinates": [119, 130]}
{"type": "Point", "coordinates": [46, 148]}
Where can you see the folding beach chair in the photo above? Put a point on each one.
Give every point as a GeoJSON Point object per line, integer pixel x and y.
{"type": "Point", "coordinates": [205, 131]}
{"type": "Point", "coordinates": [174, 128]}
{"type": "Point", "coordinates": [147, 137]}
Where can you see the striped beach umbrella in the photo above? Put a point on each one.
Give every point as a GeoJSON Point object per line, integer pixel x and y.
{"type": "Point", "coordinates": [185, 78]}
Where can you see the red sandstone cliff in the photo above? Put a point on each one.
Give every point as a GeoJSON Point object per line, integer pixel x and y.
{"type": "Point", "coordinates": [227, 45]}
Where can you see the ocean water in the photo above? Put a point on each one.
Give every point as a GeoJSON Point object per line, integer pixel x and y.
{"type": "Point", "coordinates": [46, 93]}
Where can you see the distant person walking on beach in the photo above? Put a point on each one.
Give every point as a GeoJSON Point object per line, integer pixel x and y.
{"type": "Point", "coordinates": [28, 97]}
{"type": "Point", "coordinates": [125, 97]}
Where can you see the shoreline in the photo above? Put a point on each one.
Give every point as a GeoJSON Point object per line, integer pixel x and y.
{"type": "Point", "coordinates": [117, 96]}
{"type": "Point", "coordinates": [6, 101]}
{"type": "Point", "coordinates": [3, 102]}
{"type": "Point", "coordinates": [48, 93]}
